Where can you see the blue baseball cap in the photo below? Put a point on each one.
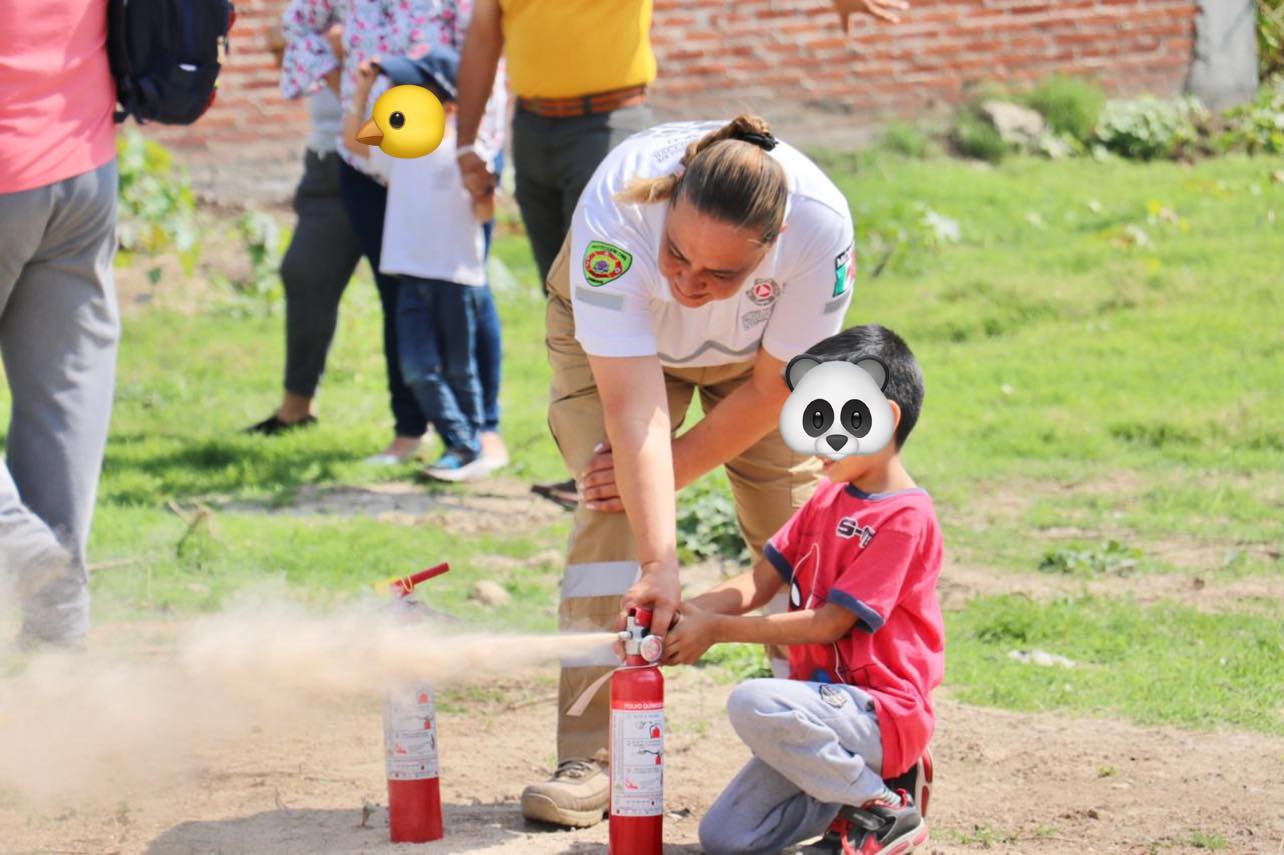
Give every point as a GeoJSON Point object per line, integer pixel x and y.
{"type": "Point", "coordinates": [439, 68]}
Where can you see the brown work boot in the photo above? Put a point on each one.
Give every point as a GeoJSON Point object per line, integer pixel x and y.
{"type": "Point", "coordinates": [576, 796]}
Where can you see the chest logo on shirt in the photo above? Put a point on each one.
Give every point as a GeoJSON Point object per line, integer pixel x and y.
{"type": "Point", "coordinates": [604, 262]}
{"type": "Point", "coordinates": [849, 527]}
{"type": "Point", "coordinates": [844, 271]}
{"type": "Point", "coordinates": [764, 292]}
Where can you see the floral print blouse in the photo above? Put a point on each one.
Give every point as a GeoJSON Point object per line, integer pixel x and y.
{"type": "Point", "coordinates": [377, 28]}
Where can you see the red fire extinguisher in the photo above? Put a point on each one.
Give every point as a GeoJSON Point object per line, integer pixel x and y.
{"type": "Point", "coordinates": [410, 736]}
{"type": "Point", "coordinates": [637, 742]}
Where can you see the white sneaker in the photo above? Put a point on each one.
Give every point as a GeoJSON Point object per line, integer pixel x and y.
{"type": "Point", "coordinates": [388, 457]}
{"type": "Point", "coordinates": [493, 450]}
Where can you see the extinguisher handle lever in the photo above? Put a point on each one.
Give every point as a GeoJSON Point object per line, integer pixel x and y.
{"type": "Point", "coordinates": [642, 615]}
{"type": "Point", "coordinates": [405, 585]}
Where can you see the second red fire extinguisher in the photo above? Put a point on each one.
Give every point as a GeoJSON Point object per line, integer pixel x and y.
{"type": "Point", "coordinates": [410, 737]}
{"type": "Point", "coordinates": [637, 743]}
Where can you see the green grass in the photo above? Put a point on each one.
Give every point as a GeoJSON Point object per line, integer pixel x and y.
{"type": "Point", "coordinates": [736, 662]}
{"type": "Point", "coordinates": [1057, 352]}
{"type": "Point", "coordinates": [1159, 665]}
{"type": "Point", "coordinates": [1203, 840]}
{"type": "Point", "coordinates": [321, 560]}
{"type": "Point", "coordinates": [1102, 355]}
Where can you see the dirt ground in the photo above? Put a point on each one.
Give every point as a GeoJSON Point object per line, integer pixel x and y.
{"type": "Point", "coordinates": [1005, 781]}
{"type": "Point", "coordinates": [311, 780]}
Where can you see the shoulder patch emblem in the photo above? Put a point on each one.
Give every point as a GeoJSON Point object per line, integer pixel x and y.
{"type": "Point", "coordinates": [604, 262]}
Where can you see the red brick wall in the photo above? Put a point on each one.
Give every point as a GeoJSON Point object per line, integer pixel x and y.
{"type": "Point", "coordinates": [786, 59]}
{"type": "Point", "coordinates": [785, 56]}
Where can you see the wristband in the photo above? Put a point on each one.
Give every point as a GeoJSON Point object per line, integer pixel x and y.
{"type": "Point", "coordinates": [471, 148]}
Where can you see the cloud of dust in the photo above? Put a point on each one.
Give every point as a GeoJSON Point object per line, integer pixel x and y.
{"type": "Point", "coordinates": [89, 723]}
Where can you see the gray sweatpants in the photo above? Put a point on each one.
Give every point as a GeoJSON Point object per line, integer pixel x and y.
{"type": "Point", "coordinates": [58, 332]}
{"type": "Point", "coordinates": [816, 748]}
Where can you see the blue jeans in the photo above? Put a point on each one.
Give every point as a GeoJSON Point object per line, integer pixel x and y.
{"type": "Point", "coordinates": [365, 200]}
{"type": "Point", "coordinates": [437, 330]}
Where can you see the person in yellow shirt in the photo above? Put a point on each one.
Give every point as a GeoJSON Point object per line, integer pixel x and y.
{"type": "Point", "coordinates": [579, 70]}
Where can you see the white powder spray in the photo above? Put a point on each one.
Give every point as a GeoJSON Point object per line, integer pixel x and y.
{"type": "Point", "coordinates": [72, 724]}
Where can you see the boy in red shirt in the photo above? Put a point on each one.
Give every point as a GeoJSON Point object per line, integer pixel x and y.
{"type": "Point", "coordinates": [865, 639]}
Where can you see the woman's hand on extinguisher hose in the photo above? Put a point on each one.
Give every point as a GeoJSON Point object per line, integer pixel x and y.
{"type": "Point", "coordinates": [657, 589]}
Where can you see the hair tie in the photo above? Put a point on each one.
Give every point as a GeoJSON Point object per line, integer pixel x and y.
{"type": "Point", "coordinates": [766, 141]}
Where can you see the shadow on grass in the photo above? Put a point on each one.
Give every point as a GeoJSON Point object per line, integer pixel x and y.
{"type": "Point", "coordinates": [182, 468]}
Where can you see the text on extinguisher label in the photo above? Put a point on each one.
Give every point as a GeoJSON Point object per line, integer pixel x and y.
{"type": "Point", "coordinates": [410, 734]}
{"type": "Point", "coordinates": [637, 759]}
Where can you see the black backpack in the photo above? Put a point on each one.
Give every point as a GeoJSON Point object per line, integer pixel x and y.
{"type": "Point", "coordinates": [164, 55]}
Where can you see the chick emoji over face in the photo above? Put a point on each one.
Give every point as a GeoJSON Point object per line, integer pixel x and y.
{"type": "Point", "coordinates": [407, 121]}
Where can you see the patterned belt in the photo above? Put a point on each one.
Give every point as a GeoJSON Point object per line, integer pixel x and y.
{"type": "Point", "coordinates": [584, 105]}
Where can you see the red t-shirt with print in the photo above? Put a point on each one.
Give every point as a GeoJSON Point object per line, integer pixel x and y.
{"type": "Point", "coordinates": [878, 556]}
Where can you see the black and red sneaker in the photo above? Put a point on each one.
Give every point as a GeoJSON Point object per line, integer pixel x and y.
{"type": "Point", "coordinates": [888, 824]}
{"type": "Point", "coordinates": [917, 781]}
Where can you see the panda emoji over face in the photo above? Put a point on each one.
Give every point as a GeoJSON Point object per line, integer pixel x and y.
{"type": "Point", "coordinates": [836, 408]}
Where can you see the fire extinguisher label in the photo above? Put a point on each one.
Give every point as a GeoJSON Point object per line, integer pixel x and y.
{"type": "Point", "coordinates": [637, 760]}
{"type": "Point", "coordinates": [410, 734]}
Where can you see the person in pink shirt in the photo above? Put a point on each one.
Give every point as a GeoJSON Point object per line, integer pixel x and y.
{"type": "Point", "coordinates": [860, 561]}
{"type": "Point", "coordinates": [58, 317]}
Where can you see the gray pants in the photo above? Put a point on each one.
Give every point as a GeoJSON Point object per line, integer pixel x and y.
{"type": "Point", "coordinates": [322, 255]}
{"type": "Point", "coordinates": [816, 748]}
{"type": "Point", "coordinates": [554, 159]}
{"type": "Point", "coordinates": [58, 332]}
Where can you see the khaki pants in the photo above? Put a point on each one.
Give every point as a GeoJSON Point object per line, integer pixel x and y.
{"type": "Point", "coordinates": [769, 482]}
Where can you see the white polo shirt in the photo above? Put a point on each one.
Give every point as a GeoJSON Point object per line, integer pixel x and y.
{"type": "Point", "coordinates": [797, 296]}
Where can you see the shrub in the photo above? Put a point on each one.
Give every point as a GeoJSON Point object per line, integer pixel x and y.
{"type": "Point", "coordinates": [1270, 37]}
{"type": "Point", "coordinates": [156, 209]}
{"type": "Point", "coordinates": [1114, 557]}
{"type": "Point", "coordinates": [1071, 105]}
{"type": "Point", "coordinates": [1257, 127]}
{"type": "Point", "coordinates": [741, 661]}
{"type": "Point", "coordinates": [707, 526]}
{"type": "Point", "coordinates": [1148, 128]}
{"type": "Point", "coordinates": [907, 141]}
{"type": "Point", "coordinates": [973, 136]}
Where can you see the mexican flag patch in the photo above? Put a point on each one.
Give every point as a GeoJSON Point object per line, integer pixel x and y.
{"type": "Point", "coordinates": [844, 271]}
{"type": "Point", "coordinates": [604, 262]}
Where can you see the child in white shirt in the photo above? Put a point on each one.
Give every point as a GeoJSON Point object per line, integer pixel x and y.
{"type": "Point", "coordinates": [434, 242]}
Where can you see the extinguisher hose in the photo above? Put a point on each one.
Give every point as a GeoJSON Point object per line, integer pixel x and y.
{"type": "Point", "coordinates": [586, 697]}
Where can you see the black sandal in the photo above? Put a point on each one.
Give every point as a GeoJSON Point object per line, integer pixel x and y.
{"type": "Point", "coordinates": [564, 495]}
{"type": "Point", "coordinates": [274, 425]}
